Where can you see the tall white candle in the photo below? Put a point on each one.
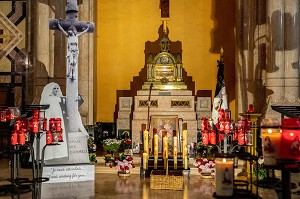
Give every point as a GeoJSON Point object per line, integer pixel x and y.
{"type": "Point", "coordinates": [175, 158]}
{"type": "Point", "coordinates": [155, 154]}
{"type": "Point", "coordinates": [146, 144]}
{"type": "Point", "coordinates": [185, 151]}
{"type": "Point", "coordinates": [155, 141]}
{"type": "Point", "coordinates": [145, 160]}
{"type": "Point", "coordinates": [224, 176]}
{"type": "Point", "coordinates": [175, 141]}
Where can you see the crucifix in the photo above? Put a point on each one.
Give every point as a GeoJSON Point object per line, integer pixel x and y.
{"type": "Point", "coordinates": [164, 13]}
{"type": "Point", "coordinates": [72, 29]}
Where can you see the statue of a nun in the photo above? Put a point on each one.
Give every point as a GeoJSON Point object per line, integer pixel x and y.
{"type": "Point", "coordinates": [52, 95]}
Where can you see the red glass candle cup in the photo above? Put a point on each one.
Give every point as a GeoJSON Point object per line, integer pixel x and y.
{"type": "Point", "coordinates": [227, 126]}
{"type": "Point", "coordinates": [58, 124]}
{"type": "Point", "coordinates": [17, 125]}
{"type": "Point", "coordinates": [24, 123]}
{"type": "Point", "coordinates": [36, 114]}
{"type": "Point", "coordinates": [52, 125]}
{"type": "Point", "coordinates": [44, 124]}
{"type": "Point", "coordinates": [250, 108]}
{"type": "Point", "coordinates": [205, 137]}
{"type": "Point", "coordinates": [61, 139]}
{"type": "Point", "coordinates": [241, 138]}
{"type": "Point", "coordinates": [290, 139]}
{"type": "Point", "coordinates": [241, 123]}
{"type": "Point", "coordinates": [34, 125]}
{"type": "Point", "coordinates": [212, 137]}
{"type": "Point", "coordinates": [221, 113]}
{"type": "Point", "coordinates": [49, 137]}
{"type": "Point", "coordinates": [204, 124]}
{"type": "Point", "coordinates": [14, 138]}
{"type": "Point", "coordinates": [210, 124]}
{"type": "Point", "coordinates": [222, 125]}
{"type": "Point", "coordinates": [9, 115]}
{"type": "Point", "coordinates": [227, 114]}
{"type": "Point", "coordinates": [21, 138]}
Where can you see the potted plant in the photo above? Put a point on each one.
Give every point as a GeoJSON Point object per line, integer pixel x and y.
{"type": "Point", "coordinates": [259, 169]}
{"type": "Point", "coordinates": [123, 164]}
{"type": "Point", "coordinates": [92, 149]}
{"type": "Point", "coordinates": [111, 145]}
{"type": "Point", "coordinates": [108, 159]}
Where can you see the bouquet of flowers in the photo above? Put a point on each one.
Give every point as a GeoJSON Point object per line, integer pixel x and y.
{"type": "Point", "coordinates": [124, 163]}
{"type": "Point", "coordinates": [205, 166]}
{"type": "Point", "coordinates": [92, 149]}
{"type": "Point", "coordinates": [126, 144]}
{"type": "Point", "coordinates": [111, 145]}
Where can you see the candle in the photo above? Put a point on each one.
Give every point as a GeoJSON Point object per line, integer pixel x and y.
{"type": "Point", "coordinates": [185, 152]}
{"type": "Point", "coordinates": [146, 147]}
{"type": "Point", "coordinates": [175, 157]}
{"type": "Point", "coordinates": [155, 140]}
{"type": "Point", "coordinates": [165, 156]}
{"type": "Point", "coordinates": [145, 160]}
{"type": "Point", "coordinates": [271, 137]}
{"type": "Point", "coordinates": [155, 157]}
{"type": "Point", "coordinates": [175, 142]}
{"type": "Point", "coordinates": [224, 176]}
{"type": "Point", "coordinates": [165, 143]}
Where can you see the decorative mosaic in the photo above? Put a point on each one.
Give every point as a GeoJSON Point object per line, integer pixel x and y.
{"type": "Point", "coordinates": [145, 103]}
{"type": "Point", "coordinates": [180, 103]}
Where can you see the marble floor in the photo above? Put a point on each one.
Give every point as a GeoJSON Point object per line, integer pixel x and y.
{"type": "Point", "coordinates": [108, 185]}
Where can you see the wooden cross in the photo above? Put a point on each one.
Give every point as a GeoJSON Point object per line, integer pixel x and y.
{"type": "Point", "coordinates": [164, 7]}
{"type": "Point", "coordinates": [72, 29]}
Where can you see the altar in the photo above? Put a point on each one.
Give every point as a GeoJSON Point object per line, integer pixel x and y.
{"type": "Point", "coordinates": [164, 102]}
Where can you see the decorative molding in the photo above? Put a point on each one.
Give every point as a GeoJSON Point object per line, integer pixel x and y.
{"type": "Point", "coordinates": [180, 103]}
{"type": "Point", "coordinates": [145, 103]}
{"type": "Point", "coordinates": [203, 103]}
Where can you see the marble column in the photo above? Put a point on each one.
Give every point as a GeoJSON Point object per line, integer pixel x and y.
{"type": "Point", "coordinates": [86, 63]}
{"type": "Point", "coordinates": [42, 34]}
{"type": "Point", "coordinates": [275, 50]}
{"type": "Point", "coordinates": [291, 52]}
{"type": "Point", "coordinates": [248, 55]}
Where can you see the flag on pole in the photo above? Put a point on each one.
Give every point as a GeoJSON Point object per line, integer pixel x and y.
{"type": "Point", "coordinates": [220, 98]}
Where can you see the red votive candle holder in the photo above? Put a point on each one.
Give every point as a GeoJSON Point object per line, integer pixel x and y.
{"type": "Point", "coordinates": [212, 137]}
{"type": "Point", "coordinates": [14, 138]}
{"type": "Point", "coordinates": [58, 124]}
{"type": "Point", "coordinates": [290, 139]}
{"type": "Point", "coordinates": [21, 138]}
{"type": "Point", "coordinates": [49, 137]}
{"type": "Point", "coordinates": [250, 108]}
{"type": "Point", "coordinates": [205, 137]}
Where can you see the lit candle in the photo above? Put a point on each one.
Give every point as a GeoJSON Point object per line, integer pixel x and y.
{"type": "Point", "coordinates": [271, 137]}
{"type": "Point", "coordinates": [145, 160]}
{"type": "Point", "coordinates": [165, 145]}
{"type": "Point", "coordinates": [155, 140]}
{"type": "Point", "coordinates": [224, 176]}
{"type": "Point", "coordinates": [155, 157]}
{"type": "Point", "coordinates": [175, 158]}
{"type": "Point", "coordinates": [175, 141]}
{"type": "Point", "coordinates": [146, 144]}
{"type": "Point", "coordinates": [185, 152]}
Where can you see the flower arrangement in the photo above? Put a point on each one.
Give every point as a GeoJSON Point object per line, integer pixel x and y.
{"type": "Point", "coordinates": [92, 149]}
{"type": "Point", "coordinates": [205, 166]}
{"type": "Point", "coordinates": [259, 169]}
{"type": "Point", "coordinates": [125, 144]}
{"type": "Point", "coordinates": [111, 145]}
{"type": "Point", "coordinates": [124, 163]}
{"type": "Point", "coordinates": [108, 158]}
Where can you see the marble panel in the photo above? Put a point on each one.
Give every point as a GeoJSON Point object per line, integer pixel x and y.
{"type": "Point", "coordinates": [164, 92]}
{"type": "Point", "coordinates": [124, 114]}
{"type": "Point", "coordinates": [125, 103]}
